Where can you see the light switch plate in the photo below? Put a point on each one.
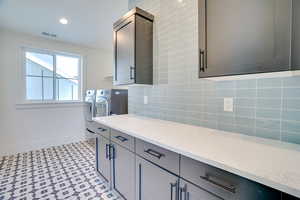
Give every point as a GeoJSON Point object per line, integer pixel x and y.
{"type": "Point", "coordinates": [145, 99]}
{"type": "Point", "coordinates": [228, 104]}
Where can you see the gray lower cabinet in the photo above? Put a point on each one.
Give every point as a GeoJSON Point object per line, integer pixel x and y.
{"type": "Point", "coordinates": [189, 191]}
{"type": "Point", "coordinates": [224, 184]}
{"type": "Point", "coordinates": [103, 157]}
{"type": "Point", "coordinates": [123, 171]}
{"type": "Point", "coordinates": [152, 182]}
{"type": "Point", "coordinates": [142, 171]}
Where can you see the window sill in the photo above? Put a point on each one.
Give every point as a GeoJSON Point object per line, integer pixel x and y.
{"type": "Point", "coordinates": [41, 105]}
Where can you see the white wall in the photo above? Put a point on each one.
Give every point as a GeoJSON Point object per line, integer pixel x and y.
{"type": "Point", "coordinates": [99, 69]}
{"type": "Point", "coordinates": [25, 128]}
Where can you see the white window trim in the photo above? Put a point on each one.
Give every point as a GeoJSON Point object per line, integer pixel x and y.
{"type": "Point", "coordinates": [23, 106]}
{"type": "Point", "coordinates": [49, 103]}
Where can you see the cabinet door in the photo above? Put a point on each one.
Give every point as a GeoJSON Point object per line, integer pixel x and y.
{"type": "Point", "coordinates": [124, 53]}
{"type": "Point", "coordinates": [124, 172]}
{"type": "Point", "coordinates": [154, 182]}
{"type": "Point", "coordinates": [244, 36]}
{"type": "Point", "coordinates": [188, 191]}
{"type": "Point", "coordinates": [296, 35]}
{"type": "Point", "coordinates": [103, 162]}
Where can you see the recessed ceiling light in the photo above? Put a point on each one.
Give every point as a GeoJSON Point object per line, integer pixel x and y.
{"type": "Point", "coordinates": [63, 21]}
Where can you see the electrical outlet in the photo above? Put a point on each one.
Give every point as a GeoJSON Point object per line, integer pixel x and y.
{"type": "Point", "coordinates": [145, 99]}
{"type": "Point", "coordinates": [228, 104]}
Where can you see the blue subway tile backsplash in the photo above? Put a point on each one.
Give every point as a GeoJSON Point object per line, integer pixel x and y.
{"type": "Point", "coordinates": [268, 103]}
{"type": "Point", "coordinates": [265, 111]}
{"type": "Point", "coordinates": [263, 107]}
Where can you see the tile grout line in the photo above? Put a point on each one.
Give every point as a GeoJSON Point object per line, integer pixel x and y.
{"type": "Point", "coordinates": [281, 109]}
{"type": "Point", "coordinates": [48, 172]}
{"type": "Point", "coordinates": [255, 107]}
{"type": "Point", "coordinates": [32, 171]}
{"type": "Point", "coordinates": [234, 105]}
{"type": "Point", "coordinates": [17, 167]}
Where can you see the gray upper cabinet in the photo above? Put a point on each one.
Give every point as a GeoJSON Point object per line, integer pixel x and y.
{"type": "Point", "coordinates": [133, 44]}
{"type": "Point", "coordinates": [296, 35]}
{"type": "Point", "coordinates": [124, 43]}
{"type": "Point", "coordinates": [245, 36]}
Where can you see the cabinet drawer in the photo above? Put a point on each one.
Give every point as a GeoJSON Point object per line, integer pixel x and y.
{"type": "Point", "coordinates": [90, 127]}
{"type": "Point", "coordinates": [122, 139]}
{"type": "Point", "coordinates": [216, 181]}
{"type": "Point", "coordinates": [102, 130]}
{"type": "Point", "coordinates": [160, 156]}
{"type": "Point", "coordinates": [224, 184]}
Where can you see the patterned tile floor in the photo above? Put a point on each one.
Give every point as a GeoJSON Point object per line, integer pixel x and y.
{"type": "Point", "coordinates": [63, 172]}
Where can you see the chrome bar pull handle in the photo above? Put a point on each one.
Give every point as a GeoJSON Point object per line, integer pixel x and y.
{"type": "Point", "coordinates": [102, 129]}
{"type": "Point", "coordinates": [180, 193]}
{"type": "Point", "coordinates": [107, 151]}
{"type": "Point", "coordinates": [176, 186]}
{"type": "Point", "coordinates": [201, 60]}
{"type": "Point", "coordinates": [219, 183]}
{"type": "Point", "coordinates": [90, 131]}
{"type": "Point", "coordinates": [131, 73]}
{"type": "Point", "coordinates": [183, 190]}
{"type": "Point", "coordinates": [172, 186]}
{"type": "Point", "coordinates": [154, 153]}
{"type": "Point", "coordinates": [140, 181]}
{"type": "Point", "coordinates": [187, 196]}
{"type": "Point", "coordinates": [121, 138]}
{"type": "Point", "coordinates": [112, 152]}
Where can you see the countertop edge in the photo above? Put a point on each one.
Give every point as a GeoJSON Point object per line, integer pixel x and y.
{"type": "Point", "coordinates": [252, 177]}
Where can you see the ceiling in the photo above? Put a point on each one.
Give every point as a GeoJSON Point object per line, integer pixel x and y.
{"type": "Point", "coordinates": [90, 21]}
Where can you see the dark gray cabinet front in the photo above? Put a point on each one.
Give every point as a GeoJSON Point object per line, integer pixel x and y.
{"type": "Point", "coordinates": [189, 191]}
{"type": "Point", "coordinates": [124, 59]}
{"type": "Point", "coordinates": [139, 170]}
{"type": "Point", "coordinates": [154, 183]}
{"type": "Point", "coordinates": [224, 184]}
{"type": "Point", "coordinates": [103, 157]}
{"type": "Point", "coordinates": [244, 37]}
{"type": "Point", "coordinates": [124, 171]}
{"type": "Point", "coordinates": [296, 35]}
{"type": "Point", "coordinates": [133, 48]}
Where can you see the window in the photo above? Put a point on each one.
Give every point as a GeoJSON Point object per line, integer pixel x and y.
{"type": "Point", "coordinates": [52, 76]}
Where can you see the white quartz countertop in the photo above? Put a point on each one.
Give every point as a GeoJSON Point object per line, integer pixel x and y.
{"type": "Point", "coordinates": [272, 163]}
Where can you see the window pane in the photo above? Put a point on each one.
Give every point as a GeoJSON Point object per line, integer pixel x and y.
{"type": "Point", "coordinates": [66, 89]}
{"type": "Point", "coordinates": [75, 90]}
{"type": "Point", "coordinates": [67, 67]}
{"type": "Point", "coordinates": [34, 88]}
{"type": "Point", "coordinates": [48, 88]}
{"type": "Point", "coordinates": [37, 63]}
{"type": "Point", "coordinates": [40, 76]}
